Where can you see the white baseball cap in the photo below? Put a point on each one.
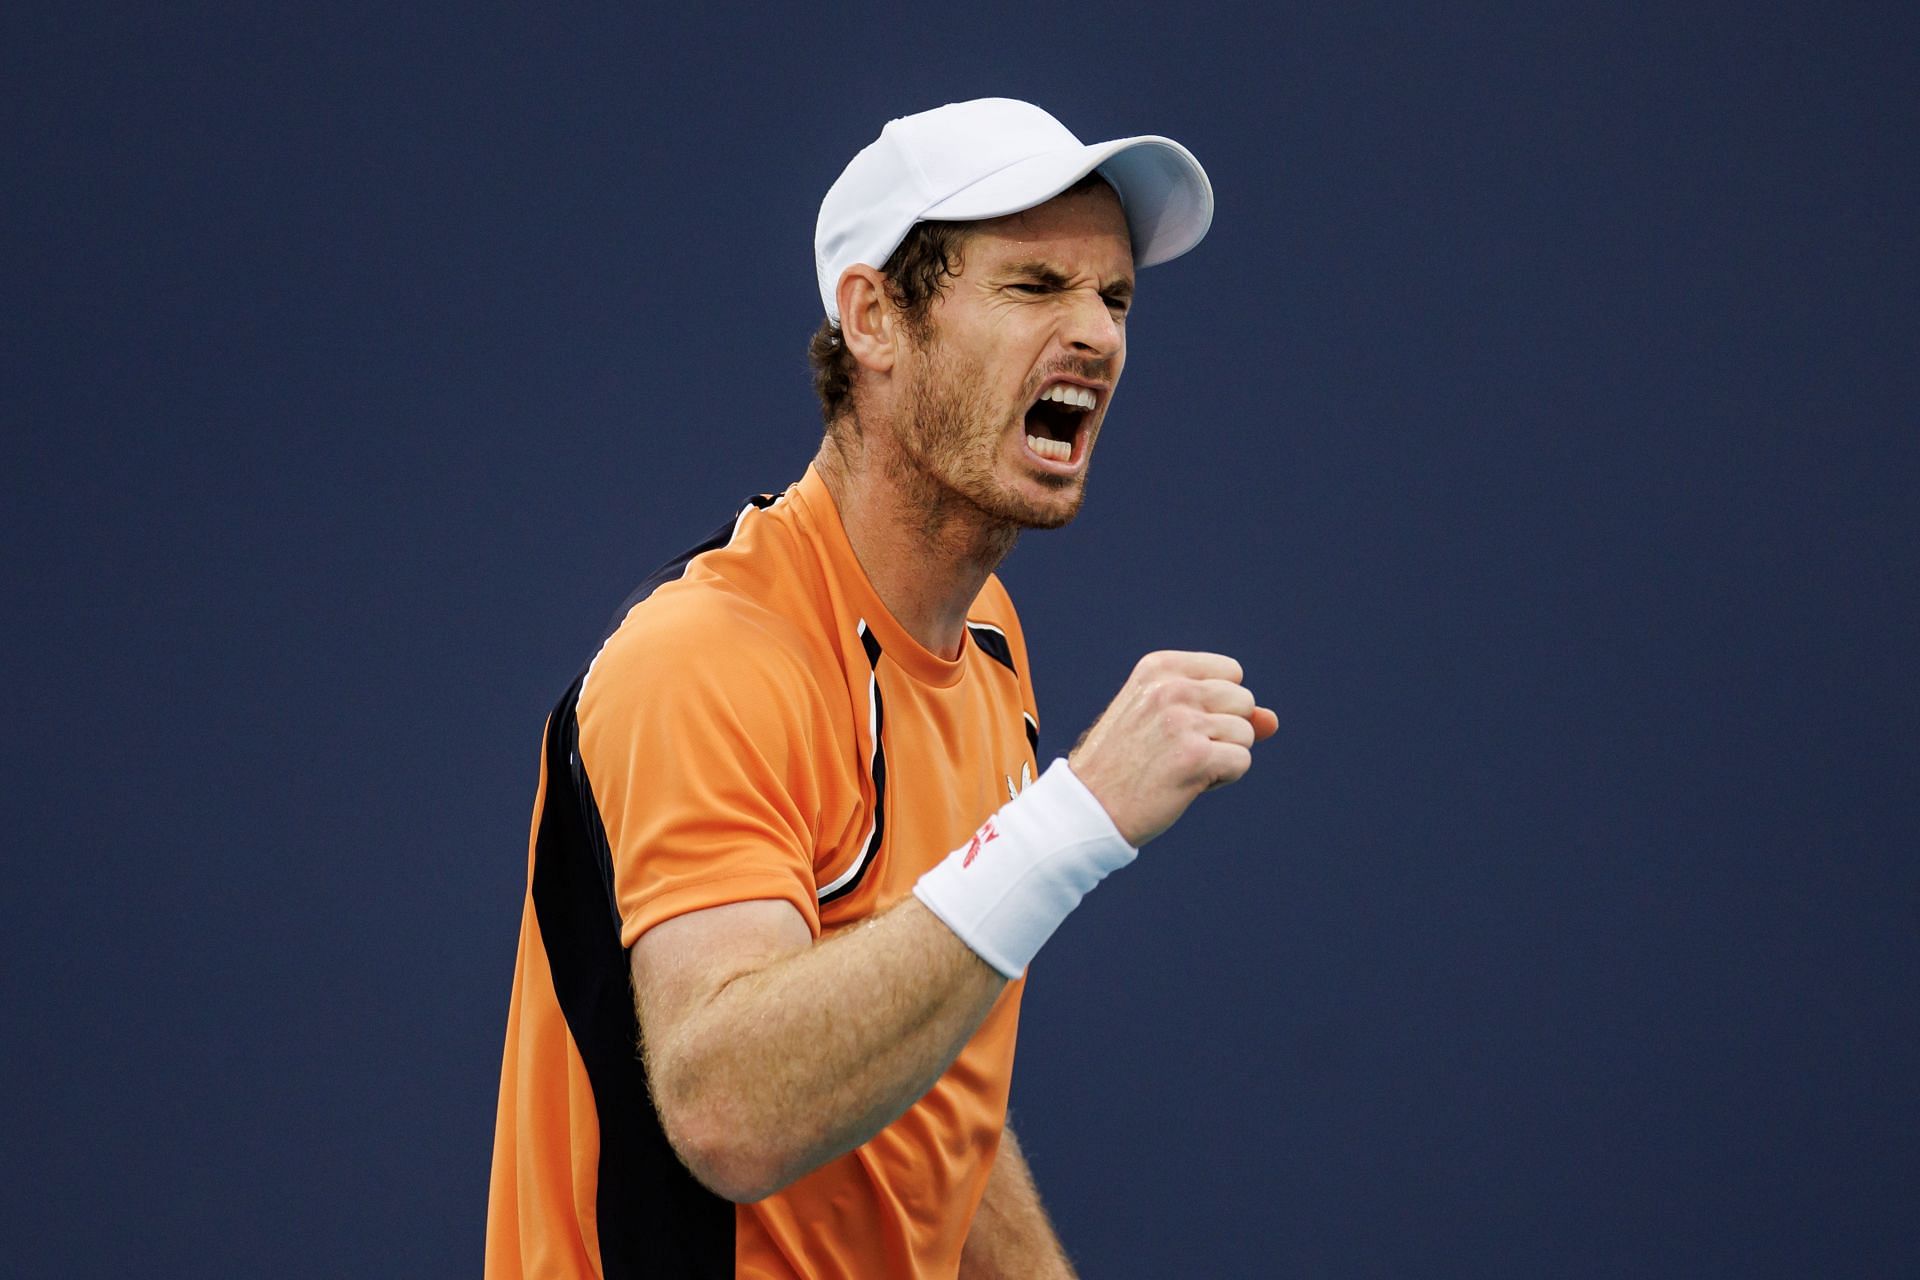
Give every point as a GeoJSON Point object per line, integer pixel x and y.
{"type": "Point", "coordinates": [994, 156]}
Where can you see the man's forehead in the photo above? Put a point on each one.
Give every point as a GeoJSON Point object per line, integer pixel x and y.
{"type": "Point", "coordinates": [1082, 229]}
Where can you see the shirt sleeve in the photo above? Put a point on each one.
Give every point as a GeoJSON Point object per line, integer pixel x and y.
{"type": "Point", "coordinates": [697, 743]}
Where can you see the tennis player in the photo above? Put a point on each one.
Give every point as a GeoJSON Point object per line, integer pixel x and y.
{"type": "Point", "coordinates": [794, 844]}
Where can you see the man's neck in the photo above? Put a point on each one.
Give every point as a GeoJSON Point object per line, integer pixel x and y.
{"type": "Point", "coordinates": [926, 552]}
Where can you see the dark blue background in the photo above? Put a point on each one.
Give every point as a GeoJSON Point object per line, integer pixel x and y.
{"type": "Point", "coordinates": [1537, 425]}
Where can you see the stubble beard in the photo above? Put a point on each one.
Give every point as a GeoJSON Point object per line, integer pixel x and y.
{"type": "Point", "coordinates": [950, 438]}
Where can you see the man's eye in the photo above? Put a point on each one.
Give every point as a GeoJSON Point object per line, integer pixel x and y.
{"type": "Point", "coordinates": [1032, 288]}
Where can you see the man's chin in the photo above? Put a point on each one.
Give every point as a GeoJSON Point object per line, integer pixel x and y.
{"type": "Point", "coordinates": [1053, 507]}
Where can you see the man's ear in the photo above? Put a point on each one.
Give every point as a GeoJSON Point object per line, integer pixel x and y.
{"type": "Point", "coordinates": [869, 326]}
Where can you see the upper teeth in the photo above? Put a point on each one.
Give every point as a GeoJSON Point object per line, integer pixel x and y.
{"type": "Point", "coordinates": [1066, 393]}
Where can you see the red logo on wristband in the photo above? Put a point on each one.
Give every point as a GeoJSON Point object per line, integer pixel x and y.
{"type": "Point", "coordinates": [985, 835]}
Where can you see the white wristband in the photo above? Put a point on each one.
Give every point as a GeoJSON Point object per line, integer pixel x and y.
{"type": "Point", "coordinates": [1005, 891]}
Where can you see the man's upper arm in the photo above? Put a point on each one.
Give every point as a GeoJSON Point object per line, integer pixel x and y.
{"type": "Point", "coordinates": [679, 964]}
{"type": "Point", "coordinates": [703, 763]}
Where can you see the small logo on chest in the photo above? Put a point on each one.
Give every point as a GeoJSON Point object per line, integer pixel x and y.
{"type": "Point", "coordinates": [1026, 777]}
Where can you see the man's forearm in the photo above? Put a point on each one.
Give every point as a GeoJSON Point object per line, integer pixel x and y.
{"type": "Point", "coordinates": [803, 1059]}
{"type": "Point", "coordinates": [1011, 1238]}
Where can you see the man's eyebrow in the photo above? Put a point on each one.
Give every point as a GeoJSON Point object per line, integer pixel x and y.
{"type": "Point", "coordinates": [1045, 273]}
{"type": "Point", "coordinates": [1036, 270]}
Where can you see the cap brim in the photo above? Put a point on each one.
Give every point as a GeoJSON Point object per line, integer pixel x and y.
{"type": "Point", "coordinates": [1163, 190]}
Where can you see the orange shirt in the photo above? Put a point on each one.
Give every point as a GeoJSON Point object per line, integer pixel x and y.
{"type": "Point", "coordinates": [757, 727]}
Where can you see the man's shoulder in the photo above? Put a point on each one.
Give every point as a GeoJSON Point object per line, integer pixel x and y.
{"type": "Point", "coordinates": [993, 604]}
{"type": "Point", "coordinates": [993, 609]}
{"type": "Point", "coordinates": [705, 634]}
{"type": "Point", "coordinates": [746, 598]}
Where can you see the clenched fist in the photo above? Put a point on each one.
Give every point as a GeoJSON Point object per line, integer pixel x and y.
{"type": "Point", "coordinates": [1182, 724]}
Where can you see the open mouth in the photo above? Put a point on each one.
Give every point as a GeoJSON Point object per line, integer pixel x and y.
{"type": "Point", "coordinates": [1054, 422]}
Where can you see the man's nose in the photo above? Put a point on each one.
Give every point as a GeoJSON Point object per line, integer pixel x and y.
{"type": "Point", "coordinates": [1092, 328]}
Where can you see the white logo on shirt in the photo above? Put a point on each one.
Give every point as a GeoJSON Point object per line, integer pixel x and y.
{"type": "Point", "coordinates": [1026, 777]}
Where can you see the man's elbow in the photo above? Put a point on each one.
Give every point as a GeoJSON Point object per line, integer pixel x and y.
{"type": "Point", "coordinates": [724, 1153]}
{"type": "Point", "coordinates": [731, 1172]}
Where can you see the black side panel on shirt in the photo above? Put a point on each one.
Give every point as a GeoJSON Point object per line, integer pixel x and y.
{"type": "Point", "coordinates": [654, 1218]}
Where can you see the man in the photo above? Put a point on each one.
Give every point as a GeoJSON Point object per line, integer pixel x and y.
{"type": "Point", "coordinates": [789, 842]}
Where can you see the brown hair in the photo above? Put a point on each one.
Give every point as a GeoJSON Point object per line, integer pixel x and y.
{"type": "Point", "coordinates": [916, 274]}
